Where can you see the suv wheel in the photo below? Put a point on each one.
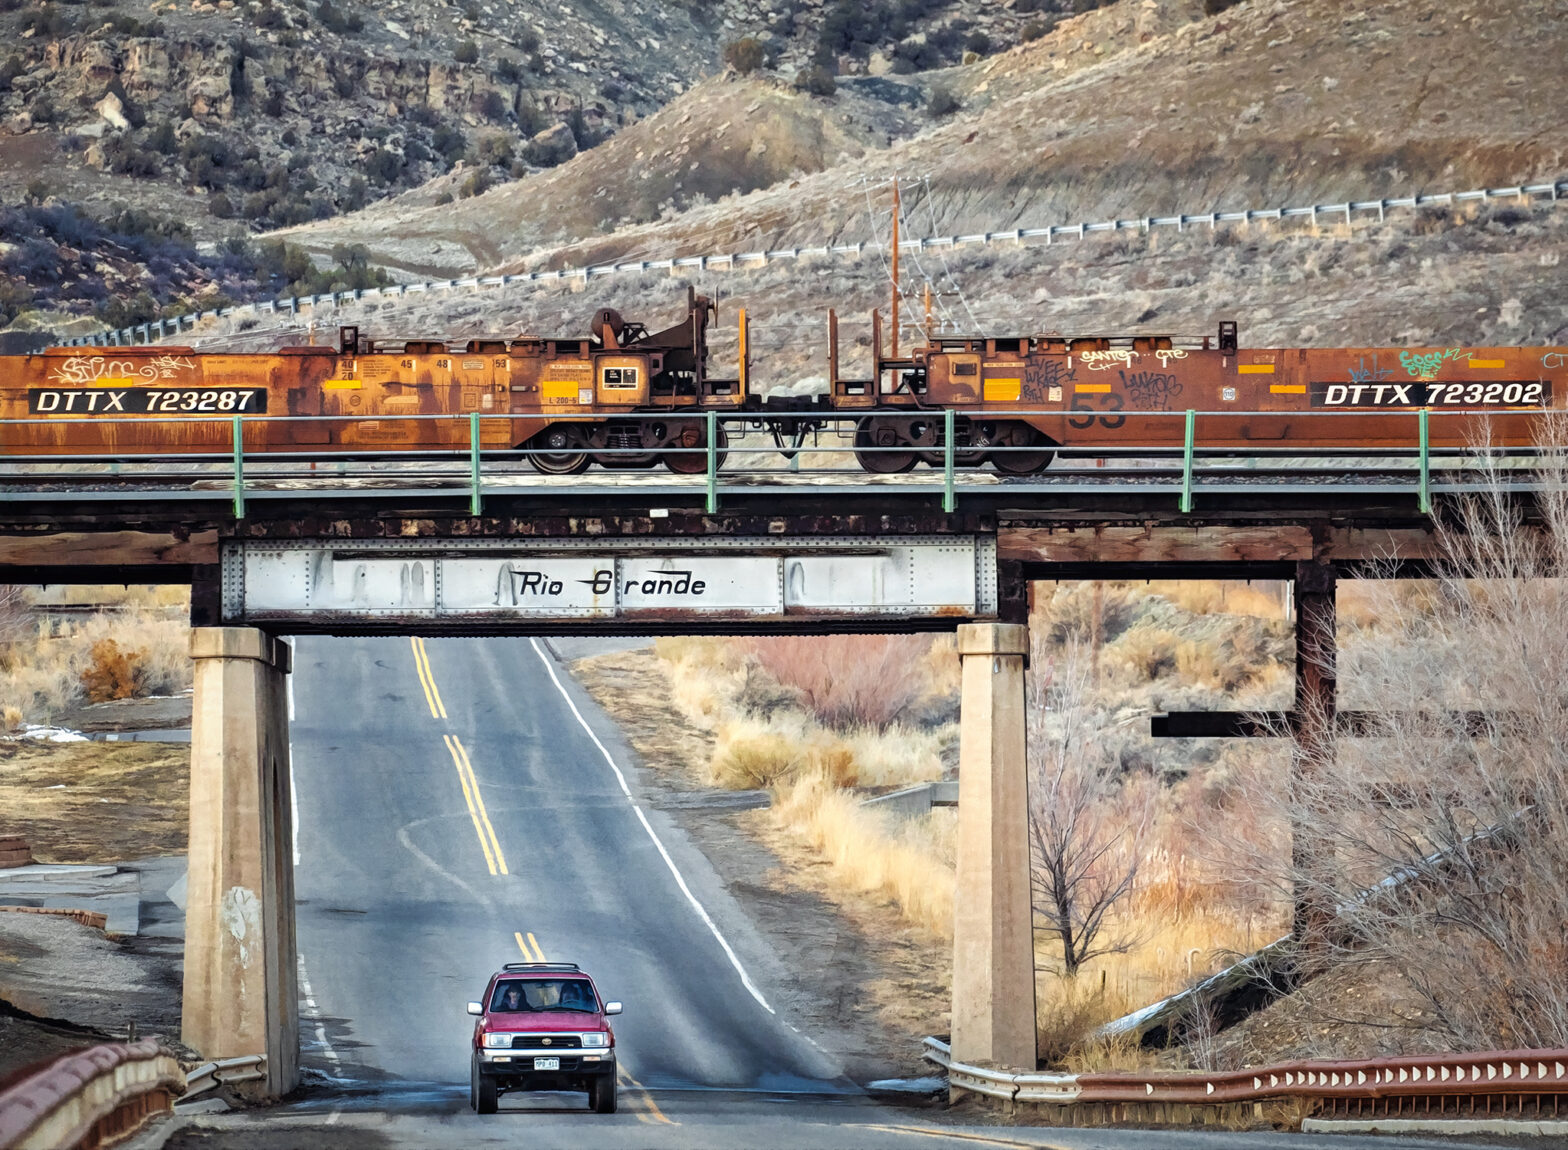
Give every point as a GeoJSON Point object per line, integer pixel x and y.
{"type": "Point", "coordinates": [601, 1094]}
{"type": "Point", "coordinates": [482, 1094]}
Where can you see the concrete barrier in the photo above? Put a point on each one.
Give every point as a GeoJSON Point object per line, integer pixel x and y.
{"type": "Point", "coordinates": [89, 1098]}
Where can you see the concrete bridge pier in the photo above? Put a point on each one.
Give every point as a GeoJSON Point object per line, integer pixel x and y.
{"type": "Point", "coordinates": [241, 993]}
{"type": "Point", "coordinates": [993, 934]}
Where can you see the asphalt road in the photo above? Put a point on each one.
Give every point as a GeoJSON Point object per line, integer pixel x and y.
{"type": "Point", "coordinates": [455, 813]}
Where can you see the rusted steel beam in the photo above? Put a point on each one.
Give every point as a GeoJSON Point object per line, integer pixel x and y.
{"type": "Point", "coordinates": [1352, 724]}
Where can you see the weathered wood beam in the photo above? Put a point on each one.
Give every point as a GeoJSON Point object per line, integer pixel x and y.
{"type": "Point", "coordinates": [1086, 546]}
{"type": "Point", "coordinates": [71, 556]}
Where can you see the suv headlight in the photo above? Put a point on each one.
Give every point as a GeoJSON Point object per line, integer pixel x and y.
{"type": "Point", "coordinates": [596, 1038]}
{"type": "Point", "coordinates": [498, 1040]}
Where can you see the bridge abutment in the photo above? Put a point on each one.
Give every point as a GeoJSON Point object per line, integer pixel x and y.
{"type": "Point", "coordinates": [993, 936]}
{"type": "Point", "coordinates": [241, 993]}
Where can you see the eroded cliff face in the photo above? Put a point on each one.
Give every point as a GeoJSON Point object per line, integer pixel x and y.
{"type": "Point", "coordinates": [289, 131]}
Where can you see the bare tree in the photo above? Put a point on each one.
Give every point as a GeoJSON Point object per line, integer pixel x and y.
{"type": "Point", "coordinates": [1438, 842]}
{"type": "Point", "coordinates": [1086, 824]}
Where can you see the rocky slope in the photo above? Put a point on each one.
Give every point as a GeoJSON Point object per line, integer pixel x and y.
{"type": "Point", "coordinates": [280, 111]}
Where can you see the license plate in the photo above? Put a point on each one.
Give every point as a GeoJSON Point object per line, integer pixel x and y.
{"type": "Point", "coordinates": [547, 1064]}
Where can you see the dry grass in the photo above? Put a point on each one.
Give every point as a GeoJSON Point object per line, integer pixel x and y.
{"type": "Point", "coordinates": [1261, 600]}
{"type": "Point", "coordinates": [120, 655]}
{"type": "Point", "coordinates": [96, 802]}
{"type": "Point", "coordinates": [910, 865]}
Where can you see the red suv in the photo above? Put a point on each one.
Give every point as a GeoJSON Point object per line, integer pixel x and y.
{"type": "Point", "coordinates": [542, 1026]}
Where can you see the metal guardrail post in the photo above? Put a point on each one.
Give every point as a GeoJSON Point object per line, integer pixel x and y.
{"type": "Point", "coordinates": [1186, 462]}
{"type": "Point", "coordinates": [1424, 492]}
{"type": "Point", "coordinates": [475, 497]}
{"type": "Point", "coordinates": [948, 501]}
{"type": "Point", "coordinates": [239, 467]}
{"type": "Point", "coordinates": [713, 462]}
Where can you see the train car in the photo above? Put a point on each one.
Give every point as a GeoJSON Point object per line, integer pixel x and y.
{"type": "Point", "coordinates": [623, 397]}
{"type": "Point", "coordinates": [1017, 398]}
{"type": "Point", "coordinates": [605, 397]}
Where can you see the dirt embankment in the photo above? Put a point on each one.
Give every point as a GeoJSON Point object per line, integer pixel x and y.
{"type": "Point", "coordinates": [96, 802]}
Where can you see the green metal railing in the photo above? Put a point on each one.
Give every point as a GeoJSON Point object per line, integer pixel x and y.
{"type": "Point", "coordinates": [1186, 461]}
{"type": "Point", "coordinates": [1153, 465]}
{"type": "Point", "coordinates": [239, 467]}
{"type": "Point", "coordinates": [1424, 491]}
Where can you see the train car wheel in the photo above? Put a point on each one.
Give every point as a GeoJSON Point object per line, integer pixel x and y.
{"type": "Point", "coordinates": [1015, 462]}
{"type": "Point", "coordinates": [555, 456]}
{"type": "Point", "coordinates": [879, 432]}
{"type": "Point", "coordinates": [689, 461]}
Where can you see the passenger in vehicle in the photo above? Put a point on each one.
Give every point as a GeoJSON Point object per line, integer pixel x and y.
{"type": "Point", "coordinates": [512, 999]}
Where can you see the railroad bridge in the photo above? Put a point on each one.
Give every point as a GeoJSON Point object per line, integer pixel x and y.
{"type": "Point", "coordinates": [342, 548]}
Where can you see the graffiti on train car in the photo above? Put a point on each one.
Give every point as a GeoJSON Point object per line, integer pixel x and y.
{"type": "Point", "coordinates": [79, 369]}
{"type": "Point", "coordinates": [146, 401]}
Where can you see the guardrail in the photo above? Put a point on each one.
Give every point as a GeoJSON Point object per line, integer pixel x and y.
{"type": "Point", "coordinates": [1493, 1083]}
{"type": "Point", "coordinates": [161, 328]}
{"type": "Point", "coordinates": [1177, 465]}
{"type": "Point", "coordinates": [89, 1098]}
{"type": "Point", "coordinates": [225, 1072]}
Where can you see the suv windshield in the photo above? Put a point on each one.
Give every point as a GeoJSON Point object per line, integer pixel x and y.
{"type": "Point", "coordinates": [516, 995]}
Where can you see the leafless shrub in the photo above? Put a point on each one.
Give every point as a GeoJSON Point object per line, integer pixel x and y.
{"type": "Point", "coordinates": [847, 680]}
{"type": "Point", "coordinates": [1436, 846]}
{"type": "Point", "coordinates": [1085, 819]}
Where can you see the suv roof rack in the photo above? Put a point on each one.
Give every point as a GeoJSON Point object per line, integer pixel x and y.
{"type": "Point", "coordinates": [541, 966]}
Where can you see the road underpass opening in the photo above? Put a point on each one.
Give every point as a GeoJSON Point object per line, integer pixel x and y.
{"type": "Point", "coordinates": [242, 907]}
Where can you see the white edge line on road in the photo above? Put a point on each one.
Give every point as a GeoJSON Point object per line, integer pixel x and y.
{"type": "Point", "coordinates": [315, 1016]}
{"type": "Point", "coordinates": [288, 687]}
{"type": "Point", "coordinates": [647, 826]}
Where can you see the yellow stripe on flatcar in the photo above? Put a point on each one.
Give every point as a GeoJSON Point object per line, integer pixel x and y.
{"type": "Point", "coordinates": [342, 385]}
{"type": "Point", "coordinates": [1091, 388]}
{"type": "Point", "coordinates": [560, 389]}
{"type": "Point", "coordinates": [116, 381]}
{"type": "Point", "coordinates": [1255, 369]}
{"type": "Point", "coordinates": [1288, 388]}
{"type": "Point", "coordinates": [1003, 390]}
{"type": "Point", "coordinates": [1489, 364]}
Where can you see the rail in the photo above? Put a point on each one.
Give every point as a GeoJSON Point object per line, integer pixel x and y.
{"type": "Point", "coordinates": [159, 329]}
{"type": "Point", "coordinates": [89, 1098]}
{"type": "Point", "coordinates": [1455, 1084]}
{"type": "Point", "coordinates": [747, 454]}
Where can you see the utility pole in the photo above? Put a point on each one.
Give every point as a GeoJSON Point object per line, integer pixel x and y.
{"type": "Point", "coordinates": [895, 266]}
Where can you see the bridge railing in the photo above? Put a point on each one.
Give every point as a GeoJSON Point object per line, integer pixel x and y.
{"type": "Point", "coordinates": [1172, 454]}
{"type": "Point", "coordinates": [1345, 211]}
{"type": "Point", "coordinates": [1494, 1083]}
{"type": "Point", "coordinates": [89, 1097]}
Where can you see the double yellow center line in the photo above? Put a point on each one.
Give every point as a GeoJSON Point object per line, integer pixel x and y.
{"type": "Point", "coordinates": [426, 679]}
{"type": "Point", "coordinates": [488, 843]}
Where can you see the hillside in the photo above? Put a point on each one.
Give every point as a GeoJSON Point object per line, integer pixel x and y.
{"type": "Point", "coordinates": [275, 112]}
{"type": "Point", "coordinates": [1139, 108]}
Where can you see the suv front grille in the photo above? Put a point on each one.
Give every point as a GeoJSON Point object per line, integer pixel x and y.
{"type": "Point", "coordinates": [546, 1041]}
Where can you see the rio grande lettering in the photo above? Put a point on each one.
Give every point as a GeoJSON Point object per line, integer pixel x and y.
{"type": "Point", "coordinates": [1386, 393]}
{"type": "Point", "coordinates": [146, 400]}
{"type": "Point", "coordinates": [666, 583]}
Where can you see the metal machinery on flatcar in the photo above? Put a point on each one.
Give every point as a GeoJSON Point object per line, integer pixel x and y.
{"type": "Point", "coordinates": [1030, 394]}
{"type": "Point", "coordinates": [604, 398]}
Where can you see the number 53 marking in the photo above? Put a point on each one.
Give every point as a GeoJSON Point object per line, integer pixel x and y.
{"type": "Point", "coordinates": [1110, 401]}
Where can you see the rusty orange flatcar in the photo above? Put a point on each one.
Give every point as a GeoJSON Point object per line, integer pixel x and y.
{"type": "Point", "coordinates": [622, 396]}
